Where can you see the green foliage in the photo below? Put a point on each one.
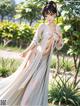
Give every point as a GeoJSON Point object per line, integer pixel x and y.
{"type": "Point", "coordinates": [17, 32]}
{"type": "Point", "coordinates": [9, 29]}
{"type": "Point", "coordinates": [8, 66]}
{"type": "Point", "coordinates": [71, 31]}
{"type": "Point", "coordinates": [71, 26]}
{"type": "Point", "coordinates": [6, 8]}
{"type": "Point", "coordinates": [29, 10]}
{"type": "Point", "coordinates": [53, 62]}
{"type": "Point", "coordinates": [62, 91]}
{"type": "Point", "coordinates": [25, 33]}
{"type": "Point", "coordinates": [66, 65]}
{"type": "Point", "coordinates": [71, 9]}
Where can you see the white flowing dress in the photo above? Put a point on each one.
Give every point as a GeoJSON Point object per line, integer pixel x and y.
{"type": "Point", "coordinates": [28, 85]}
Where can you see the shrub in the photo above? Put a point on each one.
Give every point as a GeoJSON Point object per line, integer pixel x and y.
{"type": "Point", "coordinates": [21, 33]}
{"type": "Point", "coordinates": [53, 62]}
{"type": "Point", "coordinates": [8, 66]}
{"type": "Point", "coordinates": [67, 65]}
{"type": "Point", "coordinates": [62, 91]}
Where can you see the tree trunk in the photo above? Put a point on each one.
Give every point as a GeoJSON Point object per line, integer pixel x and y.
{"type": "Point", "coordinates": [58, 62]}
{"type": "Point", "coordinates": [76, 68]}
{"type": "Point", "coordinates": [57, 65]}
{"type": "Point", "coordinates": [6, 41]}
{"type": "Point", "coordinates": [30, 23]}
{"type": "Point", "coordinates": [2, 18]}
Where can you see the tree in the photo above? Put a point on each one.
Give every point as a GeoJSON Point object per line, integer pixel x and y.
{"type": "Point", "coordinates": [29, 10]}
{"type": "Point", "coordinates": [71, 14]}
{"type": "Point", "coordinates": [7, 8]}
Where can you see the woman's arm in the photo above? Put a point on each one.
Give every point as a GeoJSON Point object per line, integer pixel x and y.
{"type": "Point", "coordinates": [23, 54]}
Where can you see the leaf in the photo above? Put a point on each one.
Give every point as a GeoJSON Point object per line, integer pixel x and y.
{"type": "Point", "coordinates": [67, 27]}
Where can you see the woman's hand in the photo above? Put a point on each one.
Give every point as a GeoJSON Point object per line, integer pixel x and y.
{"type": "Point", "coordinates": [23, 54]}
{"type": "Point", "coordinates": [30, 47]}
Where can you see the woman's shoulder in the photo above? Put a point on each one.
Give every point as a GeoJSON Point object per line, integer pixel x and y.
{"type": "Point", "coordinates": [41, 27]}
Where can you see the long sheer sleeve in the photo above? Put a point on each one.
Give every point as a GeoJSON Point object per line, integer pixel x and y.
{"type": "Point", "coordinates": [37, 34]}
{"type": "Point", "coordinates": [58, 38]}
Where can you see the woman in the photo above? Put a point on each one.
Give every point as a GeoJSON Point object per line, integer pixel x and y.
{"type": "Point", "coordinates": [28, 85]}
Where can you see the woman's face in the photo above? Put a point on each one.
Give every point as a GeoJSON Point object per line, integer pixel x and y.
{"type": "Point", "coordinates": [50, 18]}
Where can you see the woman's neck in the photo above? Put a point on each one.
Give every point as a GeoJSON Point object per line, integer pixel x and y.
{"type": "Point", "coordinates": [51, 24]}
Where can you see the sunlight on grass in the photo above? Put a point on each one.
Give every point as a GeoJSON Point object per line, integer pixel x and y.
{"type": "Point", "coordinates": [11, 48]}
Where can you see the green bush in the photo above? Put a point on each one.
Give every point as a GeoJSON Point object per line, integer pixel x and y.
{"type": "Point", "coordinates": [9, 29]}
{"type": "Point", "coordinates": [62, 91]}
{"type": "Point", "coordinates": [53, 62]}
{"type": "Point", "coordinates": [21, 33]}
{"type": "Point", "coordinates": [67, 65]}
{"type": "Point", "coordinates": [8, 66]}
{"type": "Point", "coordinates": [25, 34]}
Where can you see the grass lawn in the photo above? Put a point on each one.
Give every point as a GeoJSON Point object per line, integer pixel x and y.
{"type": "Point", "coordinates": [11, 48]}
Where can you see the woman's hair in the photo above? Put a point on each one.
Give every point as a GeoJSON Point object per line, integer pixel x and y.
{"type": "Point", "coordinates": [49, 8]}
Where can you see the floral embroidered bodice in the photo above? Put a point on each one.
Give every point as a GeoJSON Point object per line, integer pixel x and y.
{"type": "Point", "coordinates": [44, 32]}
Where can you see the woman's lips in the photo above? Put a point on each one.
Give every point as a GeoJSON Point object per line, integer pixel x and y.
{"type": "Point", "coordinates": [49, 21]}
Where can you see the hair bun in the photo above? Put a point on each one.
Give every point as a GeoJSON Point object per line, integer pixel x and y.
{"type": "Point", "coordinates": [52, 3]}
